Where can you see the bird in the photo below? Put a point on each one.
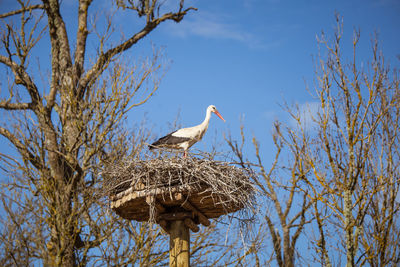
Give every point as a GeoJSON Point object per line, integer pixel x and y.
{"type": "Point", "coordinates": [186, 137]}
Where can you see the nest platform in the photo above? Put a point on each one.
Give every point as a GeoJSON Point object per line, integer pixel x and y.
{"type": "Point", "coordinates": [170, 189]}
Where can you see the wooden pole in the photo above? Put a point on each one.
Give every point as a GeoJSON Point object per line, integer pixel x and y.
{"type": "Point", "coordinates": [179, 244]}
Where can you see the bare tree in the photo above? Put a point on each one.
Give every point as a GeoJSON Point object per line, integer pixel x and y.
{"type": "Point", "coordinates": [381, 234]}
{"type": "Point", "coordinates": [340, 161]}
{"type": "Point", "coordinates": [351, 152]}
{"type": "Point", "coordinates": [63, 129]}
{"type": "Point", "coordinates": [285, 219]}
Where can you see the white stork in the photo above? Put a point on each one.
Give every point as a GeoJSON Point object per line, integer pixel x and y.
{"type": "Point", "coordinates": [186, 137]}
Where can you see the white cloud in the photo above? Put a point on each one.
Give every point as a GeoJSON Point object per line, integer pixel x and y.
{"type": "Point", "coordinates": [214, 27]}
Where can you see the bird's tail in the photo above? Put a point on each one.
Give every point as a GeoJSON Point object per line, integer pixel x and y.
{"type": "Point", "coordinates": [151, 147]}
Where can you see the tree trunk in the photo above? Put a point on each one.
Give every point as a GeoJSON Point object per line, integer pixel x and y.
{"type": "Point", "coordinates": [349, 228]}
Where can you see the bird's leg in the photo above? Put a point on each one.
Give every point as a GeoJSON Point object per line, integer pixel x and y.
{"type": "Point", "coordinates": [184, 154]}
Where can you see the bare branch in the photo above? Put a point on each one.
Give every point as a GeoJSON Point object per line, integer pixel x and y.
{"type": "Point", "coordinates": [22, 77]}
{"type": "Point", "coordinates": [26, 154]}
{"type": "Point", "coordinates": [22, 10]}
{"type": "Point", "coordinates": [104, 58]}
{"type": "Point", "coordinates": [5, 104]}
{"type": "Point", "coordinates": [81, 37]}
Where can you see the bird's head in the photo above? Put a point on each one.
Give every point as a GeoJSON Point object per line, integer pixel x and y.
{"type": "Point", "coordinates": [213, 109]}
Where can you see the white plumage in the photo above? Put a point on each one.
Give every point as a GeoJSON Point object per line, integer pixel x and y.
{"type": "Point", "coordinates": [186, 137]}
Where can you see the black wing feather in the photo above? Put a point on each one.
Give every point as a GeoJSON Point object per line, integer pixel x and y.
{"type": "Point", "coordinates": [169, 139]}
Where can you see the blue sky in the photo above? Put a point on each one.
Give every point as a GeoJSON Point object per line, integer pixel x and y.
{"type": "Point", "coordinates": [245, 56]}
{"type": "Point", "coordinates": [248, 57]}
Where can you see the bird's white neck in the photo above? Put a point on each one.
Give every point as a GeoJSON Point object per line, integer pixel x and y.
{"type": "Point", "coordinates": [206, 119]}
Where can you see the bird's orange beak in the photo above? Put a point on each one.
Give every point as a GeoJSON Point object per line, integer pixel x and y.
{"type": "Point", "coordinates": [219, 115]}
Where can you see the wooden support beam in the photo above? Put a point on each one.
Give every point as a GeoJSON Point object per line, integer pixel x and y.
{"type": "Point", "coordinates": [192, 226]}
{"type": "Point", "coordinates": [164, 225]}
{"type": "Point", "coordinates": [202, 218]}
{"type": "Point", "coordinates": [179, 245]}
{"type": "Point", "coordinates": [174, 216]}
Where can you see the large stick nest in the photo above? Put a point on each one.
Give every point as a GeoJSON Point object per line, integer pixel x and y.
{"type": "Point", "coordinates": [213, 188]}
